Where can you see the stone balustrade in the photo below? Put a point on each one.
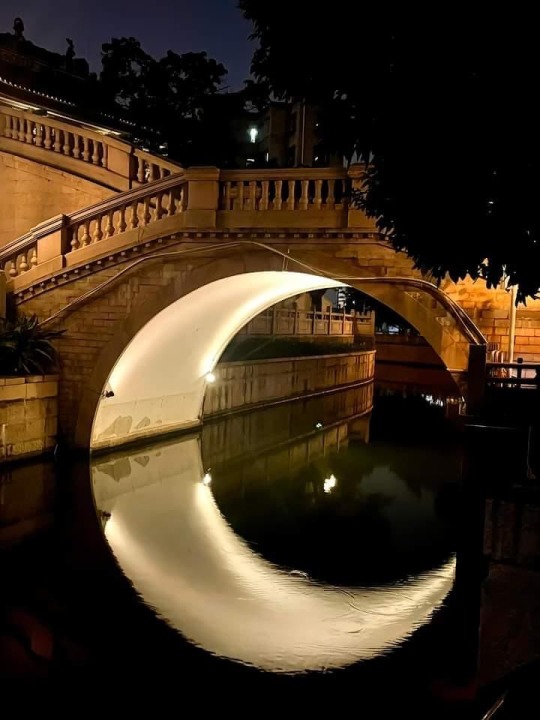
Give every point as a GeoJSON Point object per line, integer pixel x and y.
{"type": "Point", "coordinates": [283, 322]}
{"type": "Point", "coordinates": [96, 153]}
{"type": "Point", "coordinates": [285, 189]}
{"type": "Point", "coordinates": [201, 198]}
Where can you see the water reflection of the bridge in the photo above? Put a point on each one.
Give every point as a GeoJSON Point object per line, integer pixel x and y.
{"type": "Point", "coordinates": [183, 557]}
{"type": "Point", "coordinates": [290, 432]}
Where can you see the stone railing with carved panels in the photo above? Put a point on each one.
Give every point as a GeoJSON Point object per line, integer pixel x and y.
{"type": "Point", "coordinates": [98, 154]}
{"type": "Point", "coordinates": [285, 322]}
{"type": "Point", "coordinates": [195, 199]}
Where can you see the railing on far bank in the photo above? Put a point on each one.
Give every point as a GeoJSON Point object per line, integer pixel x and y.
{"type": "Point", "coordinates": [198, 198]}
{"type": "Point", "coordinates": [283, 322]}
{"type": "Point", "coordinates": [519, 376]}
{"type": "Point", "coordinates": [97, 154]}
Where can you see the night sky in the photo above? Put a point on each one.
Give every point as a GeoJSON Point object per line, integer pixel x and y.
{"type": "Point", "coordinates": [216, 26]}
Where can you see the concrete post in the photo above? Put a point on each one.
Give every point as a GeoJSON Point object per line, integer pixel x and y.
{"type": "Point", "coordinates": [120, 161]}
{"type": "Point", "coordinates": [202, 200]}
{"type": "Point", "coordinates": [476, 379]}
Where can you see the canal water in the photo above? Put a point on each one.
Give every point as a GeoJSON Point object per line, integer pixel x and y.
{"type": "Point", "coordinates": [304, 549]}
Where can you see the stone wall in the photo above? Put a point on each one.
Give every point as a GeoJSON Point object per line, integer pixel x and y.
{"type": "Point", "coordinates": [244, 384]}
{"type": "Point", "coordinates": [34, 193]}
{"type": "Point", "coordinates": [490, 309]}
{"type": "Point", "coordinates": [405, 349]}
{"type": "Point", "coordinates": [28, 415]}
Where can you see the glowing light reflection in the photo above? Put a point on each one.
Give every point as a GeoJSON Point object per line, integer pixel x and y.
{"type": "Point", "coordinates": [172, 542]}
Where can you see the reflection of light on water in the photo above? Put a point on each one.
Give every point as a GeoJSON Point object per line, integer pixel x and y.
{"type": "Point", "coordinates": [183, 558]}
{"type": "Point", "coordinates": [433, 401]}
{"type": "Point", "coordinates": [329, 483]}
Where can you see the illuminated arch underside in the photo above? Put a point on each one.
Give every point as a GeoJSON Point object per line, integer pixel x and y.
{"type": "Point", "coordinates": [159, 380]}
{"type": "Point", "coordinates": [172, 542]}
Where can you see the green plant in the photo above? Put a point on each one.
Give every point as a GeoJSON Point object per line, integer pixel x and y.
{"type": "Point", "coordinates": [26, 348]}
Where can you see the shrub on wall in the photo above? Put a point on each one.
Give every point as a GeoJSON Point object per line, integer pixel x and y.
{"type": "Point", "coordinates": [26, 348]}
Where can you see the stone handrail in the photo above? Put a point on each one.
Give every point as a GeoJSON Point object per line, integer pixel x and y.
{"type": "Point", "coordinates": [192, 198]}
{"type": "Point", "coordinates": [285, 189]}
{"type": "Point", "coordinates": [60, 236]}
{"type": "Point", "coordinates": [97, 154]}
{"type": "Point", "coordinates": [284, 322]}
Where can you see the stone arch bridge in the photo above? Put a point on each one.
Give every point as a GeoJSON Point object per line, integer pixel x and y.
{"type": "Point", "coordinates": [152, 281]}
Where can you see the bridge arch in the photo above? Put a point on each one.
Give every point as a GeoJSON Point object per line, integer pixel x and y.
{"type": "Point", "coordinates": [159, 380]}
{"type": "Point", "coordinates": [152, 374]}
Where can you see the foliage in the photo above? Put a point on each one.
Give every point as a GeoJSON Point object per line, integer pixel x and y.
{"type": "Point", "coordinates": [174, 100]}
{"type": "Point", "coordinates": [441, 102]}
{"type": "Point", "coordinates": [26, 348]}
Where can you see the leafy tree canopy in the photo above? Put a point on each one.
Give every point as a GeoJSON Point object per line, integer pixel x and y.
{"type": "Point", "coordinates": [443, 105]}
{"type": "Point", "coordinates": [175, 98]}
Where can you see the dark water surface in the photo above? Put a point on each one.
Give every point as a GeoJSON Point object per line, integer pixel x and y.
{"type": "Point", "coordinates": [303, 550]}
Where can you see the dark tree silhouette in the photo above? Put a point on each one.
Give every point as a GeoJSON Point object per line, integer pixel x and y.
{"type": "Point", "coordinates": [172, 100]}
{"type": "Point", "coordinates": [441, 101]}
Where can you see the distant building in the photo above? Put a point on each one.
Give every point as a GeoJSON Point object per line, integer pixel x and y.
{"type": "Point", "coordinates": [25, 64]}
{"type": "Point", "coordinates": [288, 135]}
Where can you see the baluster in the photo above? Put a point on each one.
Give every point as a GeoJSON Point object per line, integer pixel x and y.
{"type": "Point", "coordinates": [76, 146]}
{"type": "Point", "coordinates": [98, 232]}
{"type": "Point", "coordinates": [7, 128]}
{"type": "Point", "coordinates": [140, 170]}
{"type": "Point", "coordinates": [85, 240]}
{"type": "Point", "coordinates": [240, 195]}
{"type": "Point", "coordinates": [278, 200]}
{"type": "Point", "coordinates": [318, 194]}
{"type": "Point", "coordinates": [22, 132]}
{"type": "Point", "coordinates": [95, 152]}
{"type": "Point", "coordinates": [183, 198]}
{"type": "Point", "coordinates": [23, 265]}
{"type": "Point", "coordinates": [158, 211]}
{"type": "Point", "coordinates": [122, 224]}
{"type": "Point", "coordinates": [13, 269]}
{"type": "Point", "coordinates": [252, 195]}
{"type": "Point", "coordinates": [171, 209]}
{"type": "Point", "coordinates": [147, 217]}
{"type": "Point", "coordinates": [104, 155]}
{"type": "Point", "coordinates": [75, 244]}
{"type": "Point", "coordinates": [331, 199]}
{"type": "Point", "coordinates": [57, 140]}
{"type": "Point", "coordinates": [304, 200]}
{"type": "Point", "coordinates": [291, 199]}
{"type": "Point", "coordinates": [66, 147]}
{"type": "Point", "coordinates": [86, 149]}
{"type": "Point", "coordinates": [39, 135]}
{"type": "Point", "coordinates": [34, 258]}
{"type": "Point", "coordinates": [29, 136]}
{"type": "Point", "coordinates": [48, 141]}
{"type": "Point", "coordinates": [265, 186]}
{"type": "Point", "coordinates": [134, 219]}
{"type": "Point", "coordinates": [227, 196]}
{"type": "Point", "coordinates": [109, 230]}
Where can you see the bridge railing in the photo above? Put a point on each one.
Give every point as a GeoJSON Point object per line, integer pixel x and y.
{"type": "Point", "coordinates": [285, 322]}
{"type": "Point", "coordinates": [96, 153]}
{"type": "Point", "coordinates": [285, 189]}
{"type": "Point", "coordinates": [520, 376]}
{"type": "Point", "coordinates": [197, 198]}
